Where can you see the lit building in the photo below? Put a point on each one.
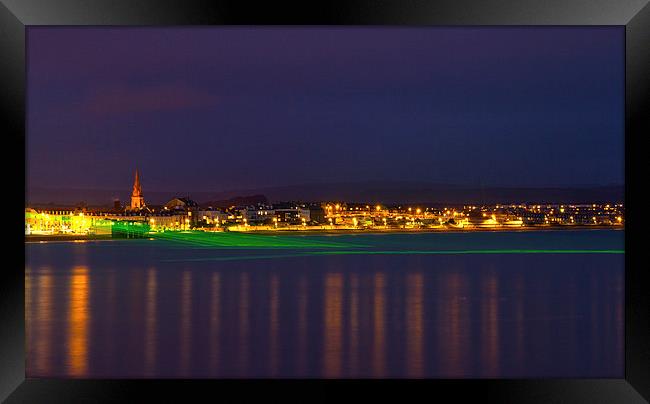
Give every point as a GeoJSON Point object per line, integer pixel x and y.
{"type": "Point", "coordinates": [137, 200]}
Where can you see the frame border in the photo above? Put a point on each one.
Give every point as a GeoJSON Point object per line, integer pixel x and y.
{"type": "Point", "coordinates": [17, 15]}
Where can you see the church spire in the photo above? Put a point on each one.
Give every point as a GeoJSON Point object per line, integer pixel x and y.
{"type": "Point", "coordinates": [137, 188]}
{"type": "Point", "coordinates": [137, 200]}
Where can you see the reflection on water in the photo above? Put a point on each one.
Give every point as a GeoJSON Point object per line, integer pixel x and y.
{"type": "Point", "coordinates": [333, 325]}
{"type": "Point", "coordinates": [150, 319]}
{"type": "Point", "coordinates": [274, 302]}
{"type": "Point", "coordinates": [353, 316]}
{"type": "Point", "coordinates": [379, 351]}
{"type": "Point", "coordinates": [454, 327]}
{"type": "Point", "coordinates": [244, 301]}
{"type": "Point", "coordinates": [40, 324]}
{"type": "Point", "coordinates": [414, 325]}
{"type": "Point", "coordinates": [303, 296]}
{"type": "Point", "coordinates": [353, 346]}
{"type": "Point", "coordinates": [490, 320]}
{"type": "Point", "coordinates": [186, 322]}
{"type": "Point", "coordinates": [78, 323]}
{"type": "Point", "coordinates": [214, 322]}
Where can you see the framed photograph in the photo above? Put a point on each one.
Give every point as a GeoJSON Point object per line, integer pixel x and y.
{"type": "Point", "coordinates": [432, 196]}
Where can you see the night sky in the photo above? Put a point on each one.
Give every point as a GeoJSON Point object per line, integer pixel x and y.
{"type": "Point", "coordinates": [209, 109]}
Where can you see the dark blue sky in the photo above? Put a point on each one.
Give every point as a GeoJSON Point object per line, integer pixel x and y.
{"type": "Point", "coordinates": [209, 109]}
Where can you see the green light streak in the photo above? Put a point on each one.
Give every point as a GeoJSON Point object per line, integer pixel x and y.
{"type": "Point", "coordinates": [242, 240]}
{"type": "Point", "coordinates": [402, 252]}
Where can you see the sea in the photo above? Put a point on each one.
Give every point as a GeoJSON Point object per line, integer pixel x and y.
{"type": "Point", "coordinates": [489, 304]}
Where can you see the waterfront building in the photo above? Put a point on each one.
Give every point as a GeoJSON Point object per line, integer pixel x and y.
{"type": "Point", "coordinates": [168, 221]}
{"type": "Point", "coordinates": [211, 217]}
{"type": "Point", "coordinates": [317, 214]}
{"type": "Point", "coordinates": [258, 214]}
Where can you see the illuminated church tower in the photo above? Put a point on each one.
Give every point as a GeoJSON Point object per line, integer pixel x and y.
{"type": "Point", "coordinates": [137, 200]}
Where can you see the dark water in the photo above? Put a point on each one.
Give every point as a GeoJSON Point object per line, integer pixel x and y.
{"type": "Point", "coordinates": [150, 308]}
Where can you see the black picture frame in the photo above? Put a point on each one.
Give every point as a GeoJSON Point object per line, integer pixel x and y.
{"type": "Point", "coordinates": [17, 15]}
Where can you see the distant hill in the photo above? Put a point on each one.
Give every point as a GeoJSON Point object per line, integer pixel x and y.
{"type": "Point", "coordinates": [370, 192]}
{"type": "Point", "coordinates": [237, 201]}
{"type": "Point", "coordinates": [414, 192]}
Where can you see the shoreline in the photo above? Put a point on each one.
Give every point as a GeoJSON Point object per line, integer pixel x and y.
{"type": "Point", "coordinates": [105, 237]}
{"type": "Point", "coordinates": [37, 238]}
{"type": "Point", "coordinates": [446, 230]}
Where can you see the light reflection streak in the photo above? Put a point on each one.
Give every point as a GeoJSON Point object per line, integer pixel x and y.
{"type": "Point", "coordinates": [244, 291]}
{"type": "Point", "coordinates": [379, 348]}
{"type": "Point", "coordinates": [414, 325]}
{"type": "Point", "coordinates": [491, 325]}
{"type": "Point", "coordinates": [273, 318]}
{"type": "Point", "coordinates": [186, 322]}
{"type": "Point", "coordinates": [43, 330]}
{"type": "Point", "coordinates": [455, 348]}
{"type": "Point", "coordinates": [214, 322]}
{"type": "Point", "coordinates": [520, 326]}
{"type": "Point", "coordinates": [110, 317]}
{"type": "Point", "coordinates": [78, 319]}
{"type": "Point", "coordinates": [353, 356]}
{"type": "Point", "coordinates": [619, 297]}
{"type": "Point", "coordinates": [29, 318]}
{"type": "Point", "coordinates": [595, 318]}
{"type": "Point", "coordinates": [302, 326]}
{"type": "Point", "coordinates": [333, 332]}
{"type": "Point", "coordinates": [150, 340]}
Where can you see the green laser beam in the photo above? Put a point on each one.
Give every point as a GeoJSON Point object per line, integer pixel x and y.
{"type": "Point", "coordinates": [240, 240]}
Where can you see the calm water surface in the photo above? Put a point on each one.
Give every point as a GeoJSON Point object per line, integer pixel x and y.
{"type": "Point", "coordinates": [153, 308]}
